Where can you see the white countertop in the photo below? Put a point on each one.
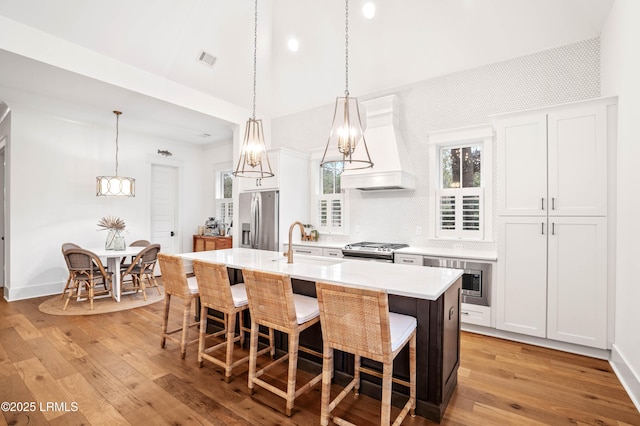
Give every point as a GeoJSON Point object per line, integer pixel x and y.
{"type": "Point", "coordinates": [487, 255]}
{"type": "Point", "coordinates": [402, 280]}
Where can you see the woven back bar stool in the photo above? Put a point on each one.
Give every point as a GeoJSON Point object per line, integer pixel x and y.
{"type": "Point", "coordinates": [273, 304]}
{"type": "Point", "coordinates": [358, 321]}
{"type": "Point", "coordinates": [177, 284]}
{"type": "Point", "coordinates": [216, 292]}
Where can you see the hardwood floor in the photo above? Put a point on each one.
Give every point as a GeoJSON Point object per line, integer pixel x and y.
{"type": "Point", "coordinates": [110, 369]}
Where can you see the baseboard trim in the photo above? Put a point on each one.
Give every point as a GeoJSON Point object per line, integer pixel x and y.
{"type": "Point", "coordinates": [537, 341]}
{"type": "Point", "coordinates": [21, 293]}
{"type": "Point", "coordinates": [629, 379]}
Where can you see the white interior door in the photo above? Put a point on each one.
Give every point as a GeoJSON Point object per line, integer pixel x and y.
{"type": "Point", "coordinates": [164, 196]}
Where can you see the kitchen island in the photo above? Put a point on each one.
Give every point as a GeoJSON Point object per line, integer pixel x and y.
{"type": "Point", "coordinates": [431, 295]}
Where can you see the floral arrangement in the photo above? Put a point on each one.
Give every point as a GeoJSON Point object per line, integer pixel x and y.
{"type": "Point", "coordinates": [111, 223]}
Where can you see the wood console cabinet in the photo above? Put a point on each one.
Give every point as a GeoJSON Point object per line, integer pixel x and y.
{"type": "Point", "coordinates": [210, 242]}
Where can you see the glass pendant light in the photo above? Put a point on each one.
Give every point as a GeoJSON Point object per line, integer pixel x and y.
{"type": "Point", "coordinates": [346, 131]}
{"type": "Point", "coordinates": [254, 161]}
{"type": "Point", "coordinates": [115, 186]}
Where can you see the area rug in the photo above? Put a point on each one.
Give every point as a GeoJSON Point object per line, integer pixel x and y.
{"type": "Point", "coordinates": [103, 305]}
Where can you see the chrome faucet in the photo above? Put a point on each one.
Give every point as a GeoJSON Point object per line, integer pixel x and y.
{"type": "Point", "coordinates": [289, 252]}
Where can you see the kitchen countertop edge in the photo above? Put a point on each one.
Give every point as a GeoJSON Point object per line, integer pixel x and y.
{"type": "Point", "coordinates": [401, 280]}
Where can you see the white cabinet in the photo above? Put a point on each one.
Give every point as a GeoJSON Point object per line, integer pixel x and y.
{"type": "Point", "coordinates": [332, 252]}
{"type": "Point", "coordinates": [576, 287]}
{"type": "Point", "coordinates": [552, 224]}
{"type": "Point", "coordinates": [522, 275]}
{"type": "Point", "coordinates": [408, 259]}
{"type": "Point", "coordinates": [475, 314]}
{"type": "Point", "coordinates": [310, 251]}
{"type": "Point", "coordinates": [553, 161]}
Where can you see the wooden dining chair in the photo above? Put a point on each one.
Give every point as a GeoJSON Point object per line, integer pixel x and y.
{"type": "Point", "coordinates": [82, 266]}
{"type": "Point", "coordinates": [65, 247]}
{"type": "Point", "coordinates": [176, 283]}
{"type": "Point", "coordinates": [273, 304]}
{"type": "Point", "coordinates": [136, 243]}
{"type": "Point", "coordinates": [142, 268]}
{"type": "Point", "coordinates": [358, 321]}
{"type": "Point", "coordinates": [217, 293]}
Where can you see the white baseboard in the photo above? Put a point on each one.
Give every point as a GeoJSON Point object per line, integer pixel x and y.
{"type": "Point", "coordinates": [12, 294]}
{"type": "Point", "coordinates": [629, 379]}
{"type": "Point", "coordinates": [537, 341]}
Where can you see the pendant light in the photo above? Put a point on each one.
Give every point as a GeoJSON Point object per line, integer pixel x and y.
{"type": "Point", "coordinates": [254, 161]}
{"type": "Point", "coordinates": [346, 131]}
{"type": "Point", "coordinates": [115, 186]}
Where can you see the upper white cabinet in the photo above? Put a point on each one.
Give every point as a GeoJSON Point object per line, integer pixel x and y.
{"type": "Point", "coordinates": [554, 162]}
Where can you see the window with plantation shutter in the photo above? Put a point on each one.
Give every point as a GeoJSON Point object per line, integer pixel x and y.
{"type": "Point", "coordinates": [460, 171]}
{"type": "Point", "coordinates": [459, 197]}
{"type": "Point", "coordinates": [330, 201]}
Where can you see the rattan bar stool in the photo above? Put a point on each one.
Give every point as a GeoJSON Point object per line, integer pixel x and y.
{"type": "Point", "coordinates": [273, 304]}
{"type": "Point", "coordinates": [177, 284]}
{"type": "Point", "coordinates": [216, 292]}
{"type": "Point", "coordinates": [358, 321]}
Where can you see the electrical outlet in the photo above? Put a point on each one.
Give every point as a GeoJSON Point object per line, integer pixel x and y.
{"type": "Point", "coordinates": [418, 230]}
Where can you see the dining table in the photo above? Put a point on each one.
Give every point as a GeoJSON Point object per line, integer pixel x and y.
{"type": "Point", "coordinates": [114, 257]}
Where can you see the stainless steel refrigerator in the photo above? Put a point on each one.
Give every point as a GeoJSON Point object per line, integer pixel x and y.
{"type": "Point", "coordinates": [259, 218]}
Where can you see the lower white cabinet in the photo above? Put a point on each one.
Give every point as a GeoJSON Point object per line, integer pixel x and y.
{"type": "Point", "coordinates": [310, 251]}
{"type": "Point", "coordinates": [475, 314]}
{"type": "Point", "coordinates": [332, 252]}
{"type": "Point", "coordinates": [552, 278]}
{"type": "Point", "coordinates": [408, 259]}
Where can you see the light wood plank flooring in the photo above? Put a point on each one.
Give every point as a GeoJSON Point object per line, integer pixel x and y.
{"type": "Point", "coordinates": [110, 369]}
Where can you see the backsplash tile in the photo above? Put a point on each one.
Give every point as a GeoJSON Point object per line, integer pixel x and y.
{"type": "Point", "coordinates": [564, 74]}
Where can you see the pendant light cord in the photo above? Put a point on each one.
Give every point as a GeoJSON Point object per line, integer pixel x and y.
{"type": "Point", "coordinates": [346, 49]}
{"type": "Point", "coordinates": [255, 55]}
{"type": "Point", "coordinates": [117, 113]}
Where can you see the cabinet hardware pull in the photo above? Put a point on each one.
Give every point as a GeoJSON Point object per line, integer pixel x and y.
{"type": "Point", "coordinates": [553, 203]}
{"type": "Point", "coordinates": [553, 228]}
{"type": "Point", "coordinates": [407, 260]}
{"type": "Point", "coordinates": [542, 228]}
{"type": "Point", "coordinates": [542, 203]}
{"type": "Point", "coordinates": [303, 251]}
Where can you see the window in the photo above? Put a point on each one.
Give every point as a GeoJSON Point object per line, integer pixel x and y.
{"type": "Point", "coordinates": [460, 193]}
{"type": "Point", "coordinates": [226, 182]}
{"type": "Point", "coordinates": [460, 168]}
{"type": "Point", "coordinates": [330, 200]}
{"type": "Point", "coordinates": [224, 200]}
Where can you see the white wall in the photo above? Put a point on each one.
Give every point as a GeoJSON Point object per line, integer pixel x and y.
{"type": "Point", "coordinates": [620, 71]}
{"type": "Point", "coordinates": [54, 162]}
{"type": "Point", "coordinates": [563, 74]}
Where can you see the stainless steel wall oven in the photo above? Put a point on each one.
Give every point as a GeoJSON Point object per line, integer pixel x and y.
{"type": "Point", "coordinates": [476, 280]}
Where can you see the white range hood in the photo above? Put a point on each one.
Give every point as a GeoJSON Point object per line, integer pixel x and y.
{"type": "Point", "coordinates": [391, 166]}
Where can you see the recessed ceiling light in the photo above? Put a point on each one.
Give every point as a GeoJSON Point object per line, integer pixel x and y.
{"type": "Point", "coordinates": [293, 44]}
{"type": "Point", "coordinates": [369, 10]}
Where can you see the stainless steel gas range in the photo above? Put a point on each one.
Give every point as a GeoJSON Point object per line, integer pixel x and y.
{"type": "Point", "coordinates": [381, 252]}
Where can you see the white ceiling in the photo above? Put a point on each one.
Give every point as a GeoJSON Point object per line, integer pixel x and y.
{"type": "Point", "coordinates": [407, 41]}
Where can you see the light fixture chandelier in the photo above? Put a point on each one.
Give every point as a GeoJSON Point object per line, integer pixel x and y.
{"type": "Point", "coordinates": [254, 161]}
{"type": "Point", "coordinates": [115, 186]}
{"type": "Point", "coordinates": [346, 131]}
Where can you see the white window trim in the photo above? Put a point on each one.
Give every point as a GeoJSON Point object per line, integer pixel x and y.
{"type": "Point", "coordinates": [482, 134]}
{"type": "Point", "coordinates": [314, 163]}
